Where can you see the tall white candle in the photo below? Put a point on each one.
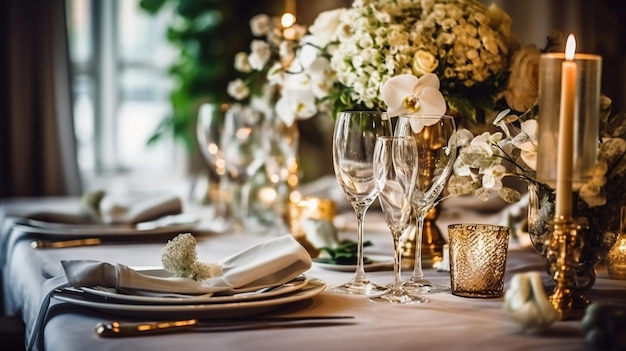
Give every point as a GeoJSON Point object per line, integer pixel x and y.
{"type": "Point", "coordinates": [569, 72]}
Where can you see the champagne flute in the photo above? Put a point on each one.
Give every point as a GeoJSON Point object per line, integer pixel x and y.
{"type": "Point", "coordinates": [354, 139]}
{"type": "Point", "coordinates": [436, 143]}
{"type": "Point", "coordinates": [395, 174]}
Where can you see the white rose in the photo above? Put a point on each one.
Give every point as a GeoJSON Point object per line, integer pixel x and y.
{"type": "Point", "coordinates": [423, 62]}
{"type": "Point", "coordinates": [326, 25]}
{"type": "Point", "coordinates": [523, 87]}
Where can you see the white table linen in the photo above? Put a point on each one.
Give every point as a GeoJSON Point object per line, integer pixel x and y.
{"type": "Point", "coordinates": [448, 322]}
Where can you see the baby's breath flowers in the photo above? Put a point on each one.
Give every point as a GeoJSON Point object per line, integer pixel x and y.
{"type": "Point", "coordinates": [179, 257]}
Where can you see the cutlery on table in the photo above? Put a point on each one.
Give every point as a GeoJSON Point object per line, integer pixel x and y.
{"type": "Point", "coordinates": [124, 329]}
{"type": "Point", "coordinates": [53, 244]}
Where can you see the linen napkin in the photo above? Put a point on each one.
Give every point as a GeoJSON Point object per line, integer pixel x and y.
{"type": "Point", "coordinates": [274, 262]}
{"type": "Point", "coordinates": [116, 211]}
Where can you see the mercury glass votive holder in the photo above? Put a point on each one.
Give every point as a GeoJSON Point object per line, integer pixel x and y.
{"type": "Point", "coordinates": [616, 258]}
{"type": "Point", "coordinates": [309, 207]}
{"type": "Point", "coordinates": [586, 116]}
{"type": "Point", "coordinates": [478, 259]}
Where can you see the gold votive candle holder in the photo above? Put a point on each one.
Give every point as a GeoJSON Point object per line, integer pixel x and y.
{"type": "Point", "coordinates": [478, 259]}
{"type": "Point", "coordinates": [309, 207]}
{"type": "Point", "coordinates": [616, 259]}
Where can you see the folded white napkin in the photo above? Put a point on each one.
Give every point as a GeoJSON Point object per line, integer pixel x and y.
{"type": "Point", "coordinates": [138, 210]}
{"type": "Point", "coordinates": [274, 262]}
{"type": "Point", "coordinates": [114, 210]}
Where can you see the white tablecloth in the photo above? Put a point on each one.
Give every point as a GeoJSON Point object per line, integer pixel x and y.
{"type": "Point", "coordinates": [448, 322]}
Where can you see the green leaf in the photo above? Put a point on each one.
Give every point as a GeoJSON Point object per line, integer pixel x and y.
{"type": "Point", "coordinates": [344, 253]}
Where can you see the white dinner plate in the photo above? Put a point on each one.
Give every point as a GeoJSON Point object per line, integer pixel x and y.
{"type": "Point", "coordinates": [377, 262]}
{"type": "Point", "coordinates": [209, 310]}
{"type": "Point", "coordinates": [260, 294]}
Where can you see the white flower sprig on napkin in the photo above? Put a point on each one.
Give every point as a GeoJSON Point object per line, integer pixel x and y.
{"type": "Point", "coordinates": [179, 257]}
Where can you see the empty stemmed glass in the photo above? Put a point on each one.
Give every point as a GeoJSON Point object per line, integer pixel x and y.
{"type": "Point", "coordinates": [395, 174]}
{"type": "Point", "coordinates": [244, 155]}
{"type": "Point", "coordinates": [436, 143]}
{"type": "Point", "coordinates": [281, 148]}
{"type": "Point", "coordinates": [354, 139]}
{"type": "Point", "coordinates": [209, 130]}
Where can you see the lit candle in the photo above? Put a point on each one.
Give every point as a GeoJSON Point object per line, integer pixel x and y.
{"type": "Point", "coordinates": [569, 72]}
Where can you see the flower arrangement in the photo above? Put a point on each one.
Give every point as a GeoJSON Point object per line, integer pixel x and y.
{"type": "Point", "coordinates": [466, 44]}
{"type": "Point", "coordinates": [274, 77]}
{"type": "Point", "coordinates": [344, 58]}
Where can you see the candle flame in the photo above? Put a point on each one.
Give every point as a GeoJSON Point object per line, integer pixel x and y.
{"type": "Point", "coordinates": [570, 47]}
{"type": "Point", "coordinates": [287, 20]}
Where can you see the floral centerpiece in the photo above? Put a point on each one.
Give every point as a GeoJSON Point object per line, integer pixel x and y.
{"type": "Point", "coordinates": [341, 61]}
{"type": "Point", "coordinates": [466, 44]}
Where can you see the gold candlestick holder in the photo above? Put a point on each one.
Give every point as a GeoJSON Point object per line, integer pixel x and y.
{"type": "Point", "coordinates": [563, 251]}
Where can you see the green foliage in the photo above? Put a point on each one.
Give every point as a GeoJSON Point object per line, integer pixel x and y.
{"type": "Point", "coordinates": [207, 34]}
{"type": "Point", "coordinates": [344, 253]}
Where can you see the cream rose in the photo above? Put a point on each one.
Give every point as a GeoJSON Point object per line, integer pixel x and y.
{"type": "Point", "coordinates": [423, 62]}
{"type": "Point", "coordinates": [523, 88]}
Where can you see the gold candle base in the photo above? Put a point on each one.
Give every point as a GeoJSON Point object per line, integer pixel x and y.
{"type": "Point", "coordinates": [432, 241]}
{"type": "Point", "coordinates": [563, 251]}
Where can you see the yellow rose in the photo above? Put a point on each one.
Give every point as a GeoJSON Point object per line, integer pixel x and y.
{"type": "Point", "coordinates": [523, 87]}
{"type": "Point", "coordinates": [423, 62]}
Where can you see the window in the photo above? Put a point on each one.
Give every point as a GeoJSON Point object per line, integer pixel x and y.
{"type": "Point", "coordinates": [120, 58]}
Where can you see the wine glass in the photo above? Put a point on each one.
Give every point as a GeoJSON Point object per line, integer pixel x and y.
{"type": "Point", "coordinates": [354, 139]}
{"type": "Point", "coordinates": [395, 175]}
{"type": "Point", "coordinates": [436, 143]}
{"type": "Point", "coordinates": [209, 129]}
{"type": "Point", "coordinates": [244, 155]}
{"type": "Point", "coordinates": [281, 145]}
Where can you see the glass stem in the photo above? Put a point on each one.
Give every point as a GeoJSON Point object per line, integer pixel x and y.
{"type": "Point", "coordinates": [359, 274]}
{"type": "Point", "coordinates": [221, 209]}
{"type": "Point", "coordinates": [397, 263]}
{"type": "Point", "coordinates": [417, 267]}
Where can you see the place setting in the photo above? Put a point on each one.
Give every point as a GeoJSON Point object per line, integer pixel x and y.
{"type": "Point", "coordinates": [256, 280]}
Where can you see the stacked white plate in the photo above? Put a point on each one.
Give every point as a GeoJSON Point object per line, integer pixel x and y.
{"type": "Point", "coordinates": [159, 305]}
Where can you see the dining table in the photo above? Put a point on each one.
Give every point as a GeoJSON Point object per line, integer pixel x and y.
{"type": "Point", "coordinates": [446, 322]}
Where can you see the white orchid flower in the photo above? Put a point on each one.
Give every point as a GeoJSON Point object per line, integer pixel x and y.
{"type": "Point", "coordinates": [526, 141]}
{"type": "Point", "coordinates": [295, 104]}
{"type": "Point", "coordinates": [260, 54]}
{"type": "Point", "coordinates": [406, 94]}
{"type": "Point", "coordinates": [238, 89]}
{"type": "Point", "coordinates": [241, 62]}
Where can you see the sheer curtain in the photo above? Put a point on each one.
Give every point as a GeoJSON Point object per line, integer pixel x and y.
{"type": "Point", "coordinates": [37, 143]}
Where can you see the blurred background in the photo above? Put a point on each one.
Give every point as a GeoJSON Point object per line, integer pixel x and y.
{"type": "Point", "coordinates": [104, 94]}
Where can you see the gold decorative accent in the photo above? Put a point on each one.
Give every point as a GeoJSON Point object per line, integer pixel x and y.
{"type": "Point", "coordinates": [563, 250]}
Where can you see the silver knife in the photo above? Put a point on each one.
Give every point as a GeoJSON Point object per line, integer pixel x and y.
{"type": "Point", "coordinates": [124, 329]}
{"type": "Point", "coordinates": [49, 244]}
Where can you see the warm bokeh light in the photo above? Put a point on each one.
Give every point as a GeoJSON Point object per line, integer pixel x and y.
{"type": "Point", "coordinates": [287, 20]}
